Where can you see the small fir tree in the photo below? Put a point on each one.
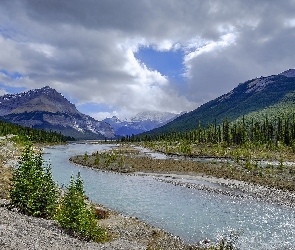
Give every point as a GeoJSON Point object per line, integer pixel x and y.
{"type": "Point", "coordinates": [75, 216]}
{"type": "Point", "coordinates": [33, 190]}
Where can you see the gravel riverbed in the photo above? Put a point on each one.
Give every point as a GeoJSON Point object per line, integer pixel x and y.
{"type": "Point", "coordinates": [18, 231]}
{"type": "Point", "coordinates": [234, 188]}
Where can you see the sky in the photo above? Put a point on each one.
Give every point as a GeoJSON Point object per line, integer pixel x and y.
{"type": "Point", "coordinates": [115, 57]}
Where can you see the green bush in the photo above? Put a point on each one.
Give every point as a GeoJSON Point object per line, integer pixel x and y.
{"type": "Point", "coordinates": [33, 190]}
{"type": "Point", "coordinates": [75, 216]}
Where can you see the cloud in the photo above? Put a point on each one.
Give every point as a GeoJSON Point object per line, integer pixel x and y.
{"type": "Point", "coordinates": [85, 49]}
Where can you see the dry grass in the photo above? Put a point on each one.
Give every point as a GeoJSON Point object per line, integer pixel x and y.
{"type": "Point", "coordinates": [8, 152]}
{"type": "Point", "coordinates": [5, 175]}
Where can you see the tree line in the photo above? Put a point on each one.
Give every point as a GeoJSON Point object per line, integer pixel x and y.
{"type": "Point", "coordinates": [35, 135]}
{"type": "Point", "coordinates": [280, 130]}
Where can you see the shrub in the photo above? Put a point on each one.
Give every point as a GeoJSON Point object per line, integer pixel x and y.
{"type": "Point", "coordinates": [75, 216]}
{"type": "Point", "coordinates": [33, 190]}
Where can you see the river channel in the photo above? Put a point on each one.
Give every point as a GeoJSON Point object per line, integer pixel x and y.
{"type": "Point", "coordinates": [191, 214]}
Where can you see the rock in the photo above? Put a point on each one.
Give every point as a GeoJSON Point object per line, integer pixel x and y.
{"type": "Point", "coordinates": [101, 213]}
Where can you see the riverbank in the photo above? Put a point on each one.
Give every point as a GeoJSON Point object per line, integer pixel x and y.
{"type": "Point", "coordinates": [229, 187]}
{"type": "Point", "coordinates": [274, 185]}
{"type": "Point", "coordinates": [9, 154]}
{"type": "Point", "coordinates": [19, 231]}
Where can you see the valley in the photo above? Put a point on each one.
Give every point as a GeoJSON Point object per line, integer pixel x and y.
{"type": "Point", "coordinates": [233, 152]}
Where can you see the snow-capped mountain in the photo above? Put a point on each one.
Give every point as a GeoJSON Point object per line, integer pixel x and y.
{"type": "Point", "coordinates": [157, 116]}
{"type": "Point", "coordinates": [142, 122]}
{"type": "Point", "coordinates": [47, 109]}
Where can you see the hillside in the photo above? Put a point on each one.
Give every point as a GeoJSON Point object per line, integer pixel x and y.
{"type": "Point", "coordinates": [284, 109]}
{"type": "Point", "coordinates": [47, 109]}
{"type": "Point", "coordinates": [248, 97]}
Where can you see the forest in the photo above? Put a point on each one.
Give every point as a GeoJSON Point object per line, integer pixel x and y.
{"type": "Point", "coordinates": [263, 132]}
{"type": "Point", "coordinates": [34, 135]}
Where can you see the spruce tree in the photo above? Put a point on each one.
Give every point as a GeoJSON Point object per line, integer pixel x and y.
{"type": "Point", "coordinates": [75, 216]}
{"type": "Point", "coordinates": [33, 190]}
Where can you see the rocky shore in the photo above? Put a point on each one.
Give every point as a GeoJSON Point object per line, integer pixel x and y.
{"type": "Point", "coordinates": [228, 187]}
{"type": "Point", "coordinates": [18, 231]}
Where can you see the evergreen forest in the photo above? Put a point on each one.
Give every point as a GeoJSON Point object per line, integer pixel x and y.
{"type": "Point", "coordinates": [263, 131]}
{"type": "Point", "coordinates": [34, 135]}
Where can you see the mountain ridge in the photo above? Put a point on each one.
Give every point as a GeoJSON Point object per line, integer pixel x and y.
{"type": "Point", "coordinates": [247, 97]}
{"type": "Point", "coordinates": [47, 109]}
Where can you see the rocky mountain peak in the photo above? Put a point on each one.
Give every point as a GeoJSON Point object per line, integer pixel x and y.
{"type": "Point", "coordinates": [46, 108]}
{"type": "Point", "coordinates": [45, 99]}
{"type": "Point", "coordinates": [289, 73]}
{"type": "Point", "coordinates": [259, 84]}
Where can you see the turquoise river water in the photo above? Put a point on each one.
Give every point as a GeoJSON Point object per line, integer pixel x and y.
{"type": "Point", "coordinates": [191, 214]}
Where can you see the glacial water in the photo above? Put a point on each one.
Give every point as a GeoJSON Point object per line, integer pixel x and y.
{"type": "Point", "coordinates": [193, 215]}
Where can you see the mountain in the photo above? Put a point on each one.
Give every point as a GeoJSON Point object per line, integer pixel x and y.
{"type": "Point", "coordinates": [47, 109]}
{"type": "Point", "coordinates": [250, 97]}
{"type": "Point", "coordinates": [143, 121]}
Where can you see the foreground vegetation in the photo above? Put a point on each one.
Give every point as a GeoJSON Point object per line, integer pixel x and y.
{"type": "Point", "coordinates": [12, 140]}
{"type": "Point", "coordinates": [33, 192]}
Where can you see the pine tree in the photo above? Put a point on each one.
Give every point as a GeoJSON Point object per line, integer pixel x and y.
{"type": "Point", "coordinates": [75, 216]}
{"type": "Point", "coordinates": [33, 191]}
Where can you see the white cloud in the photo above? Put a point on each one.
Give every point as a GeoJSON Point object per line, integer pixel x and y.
{"type": "Point", "coordinates": [86, 48]}
{"type": "Point", "coordinates": [10, 56]}
{"type": "Point", "coordinates": [140, 73]}
{"type": "Point", "coordinates": [44, 49]}
{"type": "Point", "coordinates": [225, 40]}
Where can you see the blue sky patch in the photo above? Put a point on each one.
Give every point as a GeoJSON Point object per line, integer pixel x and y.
{"type": "Point", "coordinates": [168, 63]}
{"type": "Point", "coordinates": [11, 89]}
{"type": "Point", "coordinates": [12, 75]}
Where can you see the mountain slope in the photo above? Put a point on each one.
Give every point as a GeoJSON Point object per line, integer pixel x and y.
{"type": "Point", "coordinates": [251, 96]}
{"type": "Point", "coordinates": [284, 109]}
{"type": "Point", "coordinates": [47, 109]}
{"type": "Point", "coordinates": [143, 121]}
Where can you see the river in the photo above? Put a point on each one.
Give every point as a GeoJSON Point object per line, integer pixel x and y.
{"type": "Point", "coordinates": [191, 214]}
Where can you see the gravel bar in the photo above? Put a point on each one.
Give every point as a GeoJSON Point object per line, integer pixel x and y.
{"type": "Point", "coordinates": [18, 231]}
